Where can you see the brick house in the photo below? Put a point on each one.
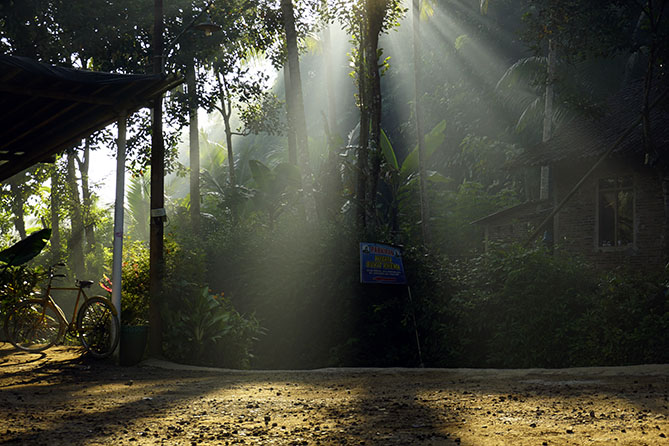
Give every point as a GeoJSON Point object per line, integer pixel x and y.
{"type": "Point", "coordinates": [616, 216]}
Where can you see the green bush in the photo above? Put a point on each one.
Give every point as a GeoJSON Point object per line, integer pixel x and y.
{"type": "Point", "coordinates": [198, 327]}
{"type": "Point", "coordinates": [511, 307]}
{"type": "Point", "coordinates": [520, 307]}
{"type": "Point", "coordinates": [135, 283]}
{"type": "Point", "coordinates": [302, 281]}
{"type": "Point", "coordinates": [18, 283]}
{"type": "Point", "coordinates": [630, 321]}
{"type": "Point", "coordinates": [206, 329]}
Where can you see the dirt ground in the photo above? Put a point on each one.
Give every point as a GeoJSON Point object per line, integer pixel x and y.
{"type": "Point", "coordinates": [60, 397]}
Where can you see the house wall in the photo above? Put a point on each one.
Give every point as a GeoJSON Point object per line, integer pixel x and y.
{"type": "Point", "coordinates": [516, 230]}
{"type": "Point", "coordinates": [576, 225]}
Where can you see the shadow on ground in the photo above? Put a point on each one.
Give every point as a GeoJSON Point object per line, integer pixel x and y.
{"type": "Point", "coordinates": [62, 397]}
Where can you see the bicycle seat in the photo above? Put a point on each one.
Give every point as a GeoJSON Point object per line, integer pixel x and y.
{"type": "Point", "coordinates": [84, 283]}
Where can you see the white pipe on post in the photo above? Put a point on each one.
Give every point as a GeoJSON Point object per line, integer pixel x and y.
{"type": "Point", "coordinates": [118, 216]}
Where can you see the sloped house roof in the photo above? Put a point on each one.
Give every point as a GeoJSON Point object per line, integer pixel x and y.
{"type": "Point", "coordinates": [586, 138]}
{"type": "Point", "coordinates": [45, 109]}
{"type": "Point", "coordinates": [607, 197]}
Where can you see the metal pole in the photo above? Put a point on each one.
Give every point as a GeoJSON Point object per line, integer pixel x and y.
{"type": "Point", "coordinates": [156, 243]}
{"type": "Point", "coordinates": [118, 216]}
{"type": "Point", "coordinates": [415, 328]}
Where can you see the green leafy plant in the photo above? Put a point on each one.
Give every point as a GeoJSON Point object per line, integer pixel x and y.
{"type": "Point", "coordinates": [135, 284]}
{"type": "Point", "coordinates": [519, 307]}
{"type": "Point", "coordinates": [204, 328]}
{"type": "Point", "coordinates": [26, 249]}
{"type": "Point", "coordinates": [17, 283]}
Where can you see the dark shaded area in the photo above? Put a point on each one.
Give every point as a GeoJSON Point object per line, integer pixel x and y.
{"type": "Point", "coordinates": [46, 109]}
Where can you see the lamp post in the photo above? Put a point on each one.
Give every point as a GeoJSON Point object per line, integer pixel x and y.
{"type": "Point", "coordinates": [156, 245]}
{"type": "Point", "coordinates": [158, 215]}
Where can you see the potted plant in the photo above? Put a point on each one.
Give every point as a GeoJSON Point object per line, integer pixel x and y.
{"type": "Point", "coordinates": [134, 327]}
{"type": "Point", "coordinates": [134, 322]}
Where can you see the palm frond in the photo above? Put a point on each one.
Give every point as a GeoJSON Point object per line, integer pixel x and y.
{"type": "Point", "coordinates": [532, 115]}
{"type": "Point", "coordinates": [525, 71]}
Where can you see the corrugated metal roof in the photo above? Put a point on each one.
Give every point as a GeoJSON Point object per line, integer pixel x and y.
{"type": "Point", "coordinates": [45, 109]}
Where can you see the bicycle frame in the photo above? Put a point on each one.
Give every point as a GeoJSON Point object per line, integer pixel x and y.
{"type": "Point", "coordinates": [71, 323]}
{"type": "Point", "coordinates": [37, 323]}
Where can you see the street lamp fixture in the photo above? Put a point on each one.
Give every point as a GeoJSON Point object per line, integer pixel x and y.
{"type": "Point", "coordinates": [156, 244]}
{"type": "Point", "coordinates": [208, 26]}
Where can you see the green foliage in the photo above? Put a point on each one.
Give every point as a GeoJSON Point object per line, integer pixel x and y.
{"type": "Point", "coordinates": [206, 329]}
{"type": "Point", "coordinates": [199, 327]}
{"type": "Point", "coordinates": [628, 324]}
{"type": "Point", "coordinates": [302, 283]}
{"type": "Point", "coordinates": [18, 283]}
{"type": "Point", "coordinates": [25, 250]}
{"type": "Point", "coordinates": [581, 28]}
{"type": "Point", "coordinates": [137, 207]}
{"type": "Point", "coordinates": [433, 141]}
{"type": "Point", "coordinates": [527, 308]}
{"type": "Point", "coordinates": [275, 188]}
{"type": "Point", "coordinates": [135, 283]}
{"type": "Point", "coordinates": [512, 307]}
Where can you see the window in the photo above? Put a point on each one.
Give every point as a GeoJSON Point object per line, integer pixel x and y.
{"type": "Point", "coordinates": [616, 211]}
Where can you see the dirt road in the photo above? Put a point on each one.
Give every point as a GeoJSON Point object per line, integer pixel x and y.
{"type": "Point", "coordinates": [61, 398]}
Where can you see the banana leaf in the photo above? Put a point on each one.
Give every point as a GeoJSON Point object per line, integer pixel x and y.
{"type": "Point", "coordinates": [23, 251]}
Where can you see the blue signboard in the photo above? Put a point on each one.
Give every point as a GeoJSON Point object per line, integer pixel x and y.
{"type": "Point", "coordinates": [381, 264]}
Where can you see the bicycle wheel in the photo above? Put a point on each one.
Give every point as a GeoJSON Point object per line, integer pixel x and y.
{"type": "Point", "coordinates": [34, 325]}
{"type": "Point", "coordinates": [98, 327]}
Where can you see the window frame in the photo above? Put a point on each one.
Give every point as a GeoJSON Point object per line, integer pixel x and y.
{"type": "Point", "coordinates": [598, 194]}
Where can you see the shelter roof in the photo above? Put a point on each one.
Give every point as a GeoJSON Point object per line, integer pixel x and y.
{"type": "Point", "coordinates": [588, 138]}
{"type": "Point", "coordinates": [45, 109]}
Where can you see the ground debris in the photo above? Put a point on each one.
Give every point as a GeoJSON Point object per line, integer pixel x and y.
{"type": "Point", "coordinates": [59, 398]}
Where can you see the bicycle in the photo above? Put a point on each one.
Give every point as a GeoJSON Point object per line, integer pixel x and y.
{"type": "Point", "coordinates": [37, 324]}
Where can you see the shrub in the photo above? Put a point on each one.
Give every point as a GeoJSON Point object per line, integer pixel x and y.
{"type": "Point", "coordinates": [18, 283]}
{"type": "Point", "coordinates": [206, 329]}
{"type": "Point", "coordinates": [520, 307]}
{"type": "Point", "coordinates": [135, 283]}
{"type": "Point", "coordinates": [302, 281]}
{"type": "Point", "coordinates": [198, 327]}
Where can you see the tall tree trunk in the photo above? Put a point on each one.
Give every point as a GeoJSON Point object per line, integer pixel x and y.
{"type": "Point", "coordinates": [226, 111]}
{"type": "Point", "coordinates": [548, 117]}
{"type": "Point", "coordinates": [374, 96]}
{"type": "Point", "coordinates": [56, 246]}
{"type": "Point", "coordinates": [87, 199]}
{"type": "Point", "coordinates": [363, 143]}
{"type": "Point", "coordinates": [330, 177]}
{"type": "Point", "coordinates": [75, 245]}
{"type": "Point", "coordinates": [375, 13]}
{"type": "Point", "coordinates": [299, 119]}
{"type": "Point", "coordinates": [17, 203]}
{"type": "Point", "coordinates": [157, 229]}
{"type": "Point", "coordinates": [290, 113]}
{"type": "Point", "coordinates": [546, 182]}
{"type": "Point", "coordinates": [420, 137]}
{"type": "Point", "coordinates": [329, 81]}
{"type": "Point", "coordinates": [194, 152]}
